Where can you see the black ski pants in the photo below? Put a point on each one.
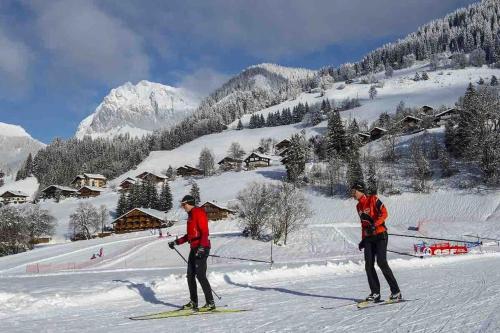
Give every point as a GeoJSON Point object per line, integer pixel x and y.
{"type": "Point", "coordinates": [197, 269]}
{"type": "Point", "coordinates": [376, 247]}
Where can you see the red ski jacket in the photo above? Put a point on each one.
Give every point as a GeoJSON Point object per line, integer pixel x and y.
{"type": "Point", "coordinates": [371, 212]}
{"type": "Point", "coordinates": [197, 229]}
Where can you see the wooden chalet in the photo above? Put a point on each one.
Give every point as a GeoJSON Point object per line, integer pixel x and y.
{"type": "Point", "coordinates": [410, 123]}
{"type": "Point", "coordinates": [256, 160]}
{"type": "Point", "coordinates": [127, 183]}
{"type": "Point", "coordinates": [89, 179]}
{"type": "Point", "coordinates": [427, 110]}
{"type": "Point", "coordinates": [283, 152]}
{"type": "Point", "coordinates": [152, 177]}
{"type": "Point", "coordinates": [52, 191]}
{"type": "Point", "coordinates": [216, 212]}
{"type": "Point", "coordinates": [187, 170]}
{"type": "Point", "coordinates": [89, 192]}
{"type": "Point", "coordinates": [446, 115]}
{"type": "Point", "coordinates": [141, 219]}
{"type": "Point", "coordinates": [283, 144]}
{"type": "Point", "coordinates": [377, 133]}
{"type": "Point", "coordinates": [364, 137]}
{"type": "Point", "coordinates": [14, 197]}
{"type": "Point", "coordinates": [229, 163]}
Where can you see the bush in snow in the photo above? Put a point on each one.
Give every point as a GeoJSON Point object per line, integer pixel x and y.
{"type": "Point", "coordinates": [254, 206]}
{"type": "Point", "coordinates": [477, 57]}
{"type": "Point", "coordinates": [389, 71]}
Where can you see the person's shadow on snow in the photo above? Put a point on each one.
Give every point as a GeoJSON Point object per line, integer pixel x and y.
{"type": "Point", "coordinates": [287, 291]}
{"type": "Point", "coordinates": [146, 293]}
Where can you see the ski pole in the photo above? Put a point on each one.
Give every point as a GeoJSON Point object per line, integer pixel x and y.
{"type": "Point", "coordinates": [441, 239]}
{"type": "Point", "coordinates": [188, 264]}
{"type": "Point", "coordinates": [243, 259]}
{"type": "Point", "coordinates": [406, 254]}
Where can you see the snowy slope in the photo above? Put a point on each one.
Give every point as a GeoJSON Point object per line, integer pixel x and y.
{"type": "Point", "coordinates": [443, 88]}
{"type": "Point", "coordinates": [138, 110]}
{"type": "Point", "coordinates": [15, 146]}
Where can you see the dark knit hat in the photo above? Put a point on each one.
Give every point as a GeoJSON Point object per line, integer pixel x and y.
{"type": "Point", "coordinates": [359, 187]}
{"type": "Point", "coordinates": [188, 199]}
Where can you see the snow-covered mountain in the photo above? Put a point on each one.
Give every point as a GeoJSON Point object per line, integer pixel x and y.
{"type": "Point", "coordinates": [15, 146]}
{"type": "Point", "coordinates": [138, 110]}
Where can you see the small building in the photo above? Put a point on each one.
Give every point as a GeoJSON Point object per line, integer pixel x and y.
{"type": "Point", "coordinates": [229, 163]}
{"type": "Point", "coordinates": [126, 184]}
{"type": "Point", "coordinates": [141, 219]}
{"type": "Point", "coordinates": [410, 123]}
{"type": "Point", "coordinates": [446, 115]}
{"type": "Point", "coordinates": [283, 152]}
{"type": "Point", "coordinates": [187, 170]}
{"type": "Point", "coordinates": [257, 160]}
{"type": "Point", "coordinates": [377, 133]}
{"type": "Point", "coordinates": [89, 192]}
{"type": "Point", "coordinates": [427, 110]}
{"type": "Point", "coordinates": [364, 137]}
{"type": "Point", "coordinates": [283, 144]}
{"type": "Point", "coordinates": [152, 177]}
{"type": "Point", "coordinates": [216, 212]}
{"type": "Point", "coordinates": [89, 179]}
{"type": "Point", "coordinates": [14, 197]}
{"type": "Point", "coordinates": [53, 191]}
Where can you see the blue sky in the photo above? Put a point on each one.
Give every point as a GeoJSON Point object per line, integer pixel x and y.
{"type": "Point", "coordinates": [59, 58]}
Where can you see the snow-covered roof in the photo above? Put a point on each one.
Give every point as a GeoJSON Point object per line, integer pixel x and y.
{"type": "Point", "coordinates": [15, 193]}
{"type": "Point", "coordinates": [230, 159]}
{"type": "Point", "coordinates": [149, 211]}
{"type": "Point", "coordinates": [452, 110]}
{"type": "Point", "coordinates": [94, 176]}
{"type": "Point", "coordinates": [92, 188]}
{"type": "Point", "coordinates": [363, 134]}
{"type": "Point", "coordinates": [129, 179]}
{"type": "Point", "coordinates": [218, 206]}
{"type": "Point", "coordinates": [379, 129]}
{"type": "Point", "coordinates": [145, 173]}
{"type": "Point", "coordinates": [62, 188]}
{"type": "Point", "coordinates": [187, 166]}
{"type": "Point", "coordinates": [259, 155]}
{"type": "Point", "coordinates": [411, 117]}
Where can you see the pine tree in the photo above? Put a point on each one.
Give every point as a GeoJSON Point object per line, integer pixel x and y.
{"type": "Point", "coordinates": [195, 192]}
{"type": "Point", "coordinates": [354, 170]}
{"type": "Point", "coordinates": [315, 116]}
{"type": "Point", "coordinates": [481, 81]}
{"type": "Point", "coordinates": [296, 157]}
{"type": "Point", "coordinates": [122, 206]}
{"type": "Point", "coordinates": [165, 199]}
{"type": "Point", "coordinates": [372, 181]}
{"type": "Point", "coordinates": [372, 92]}
{"type": "Point", "coordinates": [425, 76]}
{"type": "Point", "coordinates": [170, 173]}
{"type": "Point", "coordinates": [336, 136]}
{"type": "Point", "coordinates": [416, 77]}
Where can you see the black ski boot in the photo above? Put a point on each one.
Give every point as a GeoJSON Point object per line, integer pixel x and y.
{"type": "Point", "coordinates": [375, 298]}
{"type": "Point", "coordinates": [190, 306]}
{"type": "Point", "coordinates": [396, 297]}
{"type": "Point", "coordinates": [207, 307]}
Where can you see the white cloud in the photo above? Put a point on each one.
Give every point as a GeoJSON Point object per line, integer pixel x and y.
{"type": "Point", "coordinates": [15, 59]}
{"type": "Point", "coordinates": [203, 81]}
{"type": "Point", "coordinates": [86, 42]}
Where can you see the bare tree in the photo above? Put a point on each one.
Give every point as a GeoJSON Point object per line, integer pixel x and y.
{"type": "Point", "coordinates": [103, 216]}
{"type": "Point", "coordinates": [235, 150]}
{"type": "Point", "coordinates": [289, 210]}
{"type": "Point", "coordinates": [254, 207]}
{"type": "Point", "coordinates": [85, 220]}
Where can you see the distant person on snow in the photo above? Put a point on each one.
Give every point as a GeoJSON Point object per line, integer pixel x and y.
{"type": "Point", "coordinates": [197, 237]}
{"type": "Point", "coordinates": [374, 240]}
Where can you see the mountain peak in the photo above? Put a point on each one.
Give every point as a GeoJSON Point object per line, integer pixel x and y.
{"type": "Point", "coordinates": [138, 110]}
{"type": "Point", "coordinates": [12, 130]}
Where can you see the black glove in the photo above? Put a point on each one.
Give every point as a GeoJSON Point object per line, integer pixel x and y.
{"type": "Point", "coordinates": [202, 252]}
{"type": "Point", "coordinates": [370, 229]}
{"type": "Point", "coordinates": [361, 245]}
{"type": "Point", "coordinates": [172, 244]}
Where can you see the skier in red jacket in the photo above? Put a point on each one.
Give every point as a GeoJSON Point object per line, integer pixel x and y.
{"type": "Point", "coordinates": [374, 238]}
{"type": "Point", "coordinates": [197, 237]}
